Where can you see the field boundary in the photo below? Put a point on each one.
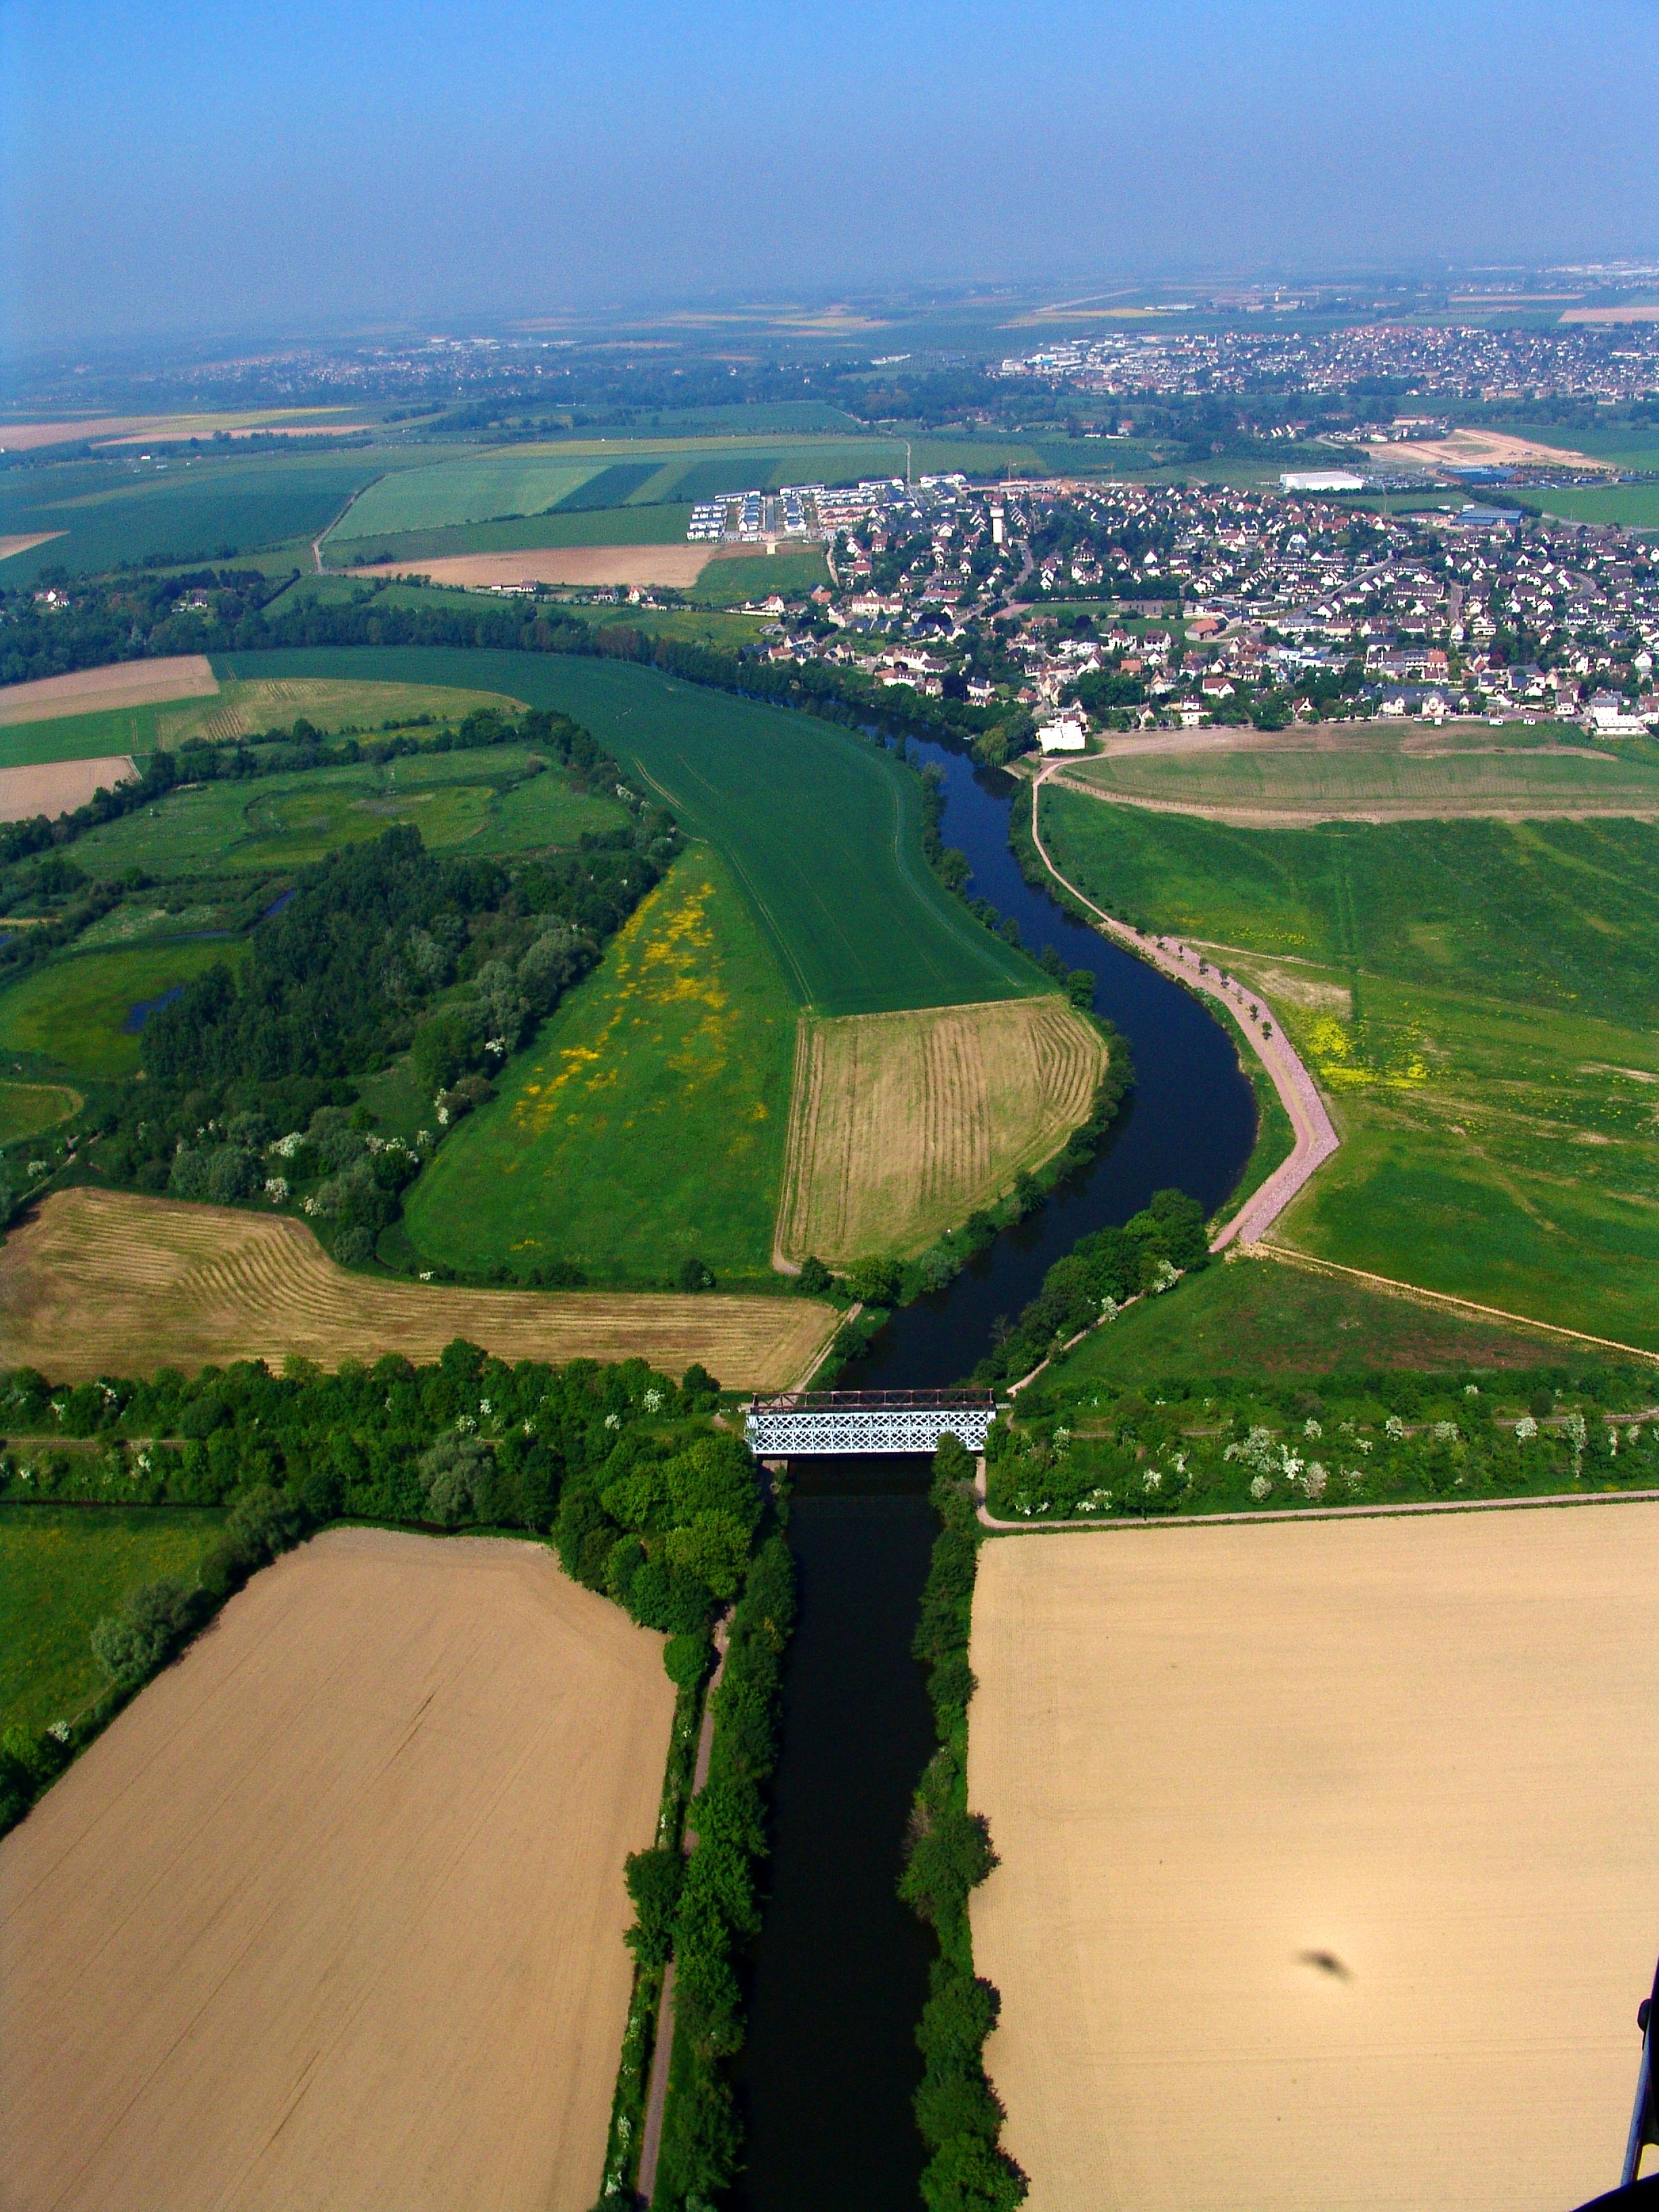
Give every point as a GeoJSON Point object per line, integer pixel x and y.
{"type": "Point", "coordinates": [1391, 1286]}
{"type": "Point", "coordinates": [1315, 1136]}
{"type": "Point", "coordinates": [1379, 1512]}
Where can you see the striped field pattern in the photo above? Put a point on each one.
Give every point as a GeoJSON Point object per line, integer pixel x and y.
{"type": "Point", "coordinates": [110, 1283]}
{"type": "Point", "coordinates": [902, 1124]}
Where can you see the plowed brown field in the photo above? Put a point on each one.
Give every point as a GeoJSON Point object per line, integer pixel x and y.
{"type": "Point", "coordinates": [902, 1124]}
{"type": "Point", "coordinates": [1328, 1858]}
{"type": "Point", "coordinates": [332, 1915]}
{"type": "Point", "coordinates": [680, 565]}
{"type": "Point", "coordinates": [56, 787]}
{"type": "Point", "coordinates": [110, 1283]}
{"type": "Point", "coordinates": [124, 683]}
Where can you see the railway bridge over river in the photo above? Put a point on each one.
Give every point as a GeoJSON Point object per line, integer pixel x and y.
{"type": "Point", "coordinates": [799, 1422]}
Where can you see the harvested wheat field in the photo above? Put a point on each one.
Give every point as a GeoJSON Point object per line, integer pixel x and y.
{"type": "Point", "coordinates": [58, 787]}
{"type": "Point", "coordinates": [26, 541]}
{"type": "Point", "coordinates": [902, 1124]}
{"type": "Point", "coordinates": [566, 564]}
{"type": "Point", "coordinates": [1329, 1870]}
{"type": "Point", "coordinates": [332, 1915]}
{"type": "Point", "coordinates": [109, 1282]}
{"type": "Point", "coordinates": [127, 683]}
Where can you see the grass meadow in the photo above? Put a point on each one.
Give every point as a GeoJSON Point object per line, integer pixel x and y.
{"type": "Point", "coordinates": [1633, 507]}
{"type": "Point", "coordinates": [72, 1013]}
{"type": "Point", "coordinates": [61, 1570]}
{"type": "Point", "coordinates": [756, 575]}
{"type": "Point", "coordinates": [489, 802]}
{"type": "Point", "coordinates": [858, 924]}
{"type": "Point", "coordinates": [1269, 1317]}
{"type": "Point", "coordinates": [646, 1123]}
{"type": "Point", "coordinates": [26, 1109]}
{"type": "Point", "coordinates": [1478, 1000]}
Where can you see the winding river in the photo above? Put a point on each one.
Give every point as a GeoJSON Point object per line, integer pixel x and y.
{"type": "Point", "coordinates": [842, 1971]}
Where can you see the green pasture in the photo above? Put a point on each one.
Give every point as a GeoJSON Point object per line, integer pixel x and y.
{"type": "Point", "coordinates": [1485, 779]}
{"type": "Point", "coordinates": [858, 921]}
{"type": "Point", "coordinates": [604, 526]}
{"type": "Point", "coordinates": [1479, 1001]}
{"type": "Point", "coordinates": [26, 1109]}
{"type": "Point", "coordinates": [490, 801]}
{"type": "Point", "coordinates": [1258, 1317]}
{"type": "Point", "coordinates": [139, 920]}
{"type": "Point", "coordinates": [115, 511]}
{"type": "Point", "coordinates": [61, 1568]}
{"type": "Point", "coordinates": [646, 1123]}
{"type": "Point", "coordinates": [80, 737]}
{"type": "Point", "coordinates": [756, 575]}
{"type": "Point", "coordinates": [71, 1013]}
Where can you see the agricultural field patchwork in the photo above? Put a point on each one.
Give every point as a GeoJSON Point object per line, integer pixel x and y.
{"type": "Point", "coordinates": [61, 1570]}
{"type": "Point", "coordinates": [902, 1125]}
{"type": "Point", "coordinates": [646, 1124]}
{"type": "Point", "coordinates": [210, 507]}
{"type": "Point", "coordinates": [425, 1987]}
{"type": "Point", "coordinates": [1301, 1830]}
{"type": "Point", "coordinates": [110, 1282]}
{"type": "Point", "coordinates": [1277, 786]}
{"type": "Point", "coordinates": [566, 528]}
{"type": "Point", "coordinates": [1477, 1000]}
{"type": "Point", "coordinates": [81, 1013]}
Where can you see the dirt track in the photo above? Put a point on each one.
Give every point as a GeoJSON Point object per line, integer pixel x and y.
{"type": "Point", "coordinates": [1328, 1858]}
{"type": "Point", "coordinates": [332, 1915]}
{"type": "Point", "coordinates": [107, 1282]}
{"type": "Point", "coordinates": [90, 690]}
{"type": "Point", "coordinates": [569, 564]}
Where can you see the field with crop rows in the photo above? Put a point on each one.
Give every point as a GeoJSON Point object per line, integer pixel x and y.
{"type": "Point", "coordinates": [352, 1930]}
{"type": "Point", "coordinates": [1286, 788]}
{"type": "Point", "coordinates": [1478, 999]}
{"type": "Point", "coordinates": [904, 1124]}
{"type": "Point", "coordinates": [61, 1570]}
{"type": "Point", "coordinates": [1303, 1832]}
{"type": "Point", "coordinates": [478, 488]}
{"type": "Point", "coordinates": [646, 1124]}
{"type": "Point", "coordinates": [858, 924]}
{"type": "Point", "coordinates": [107, 1282]}
{"type": "Point", "coordinates": [565, 529]}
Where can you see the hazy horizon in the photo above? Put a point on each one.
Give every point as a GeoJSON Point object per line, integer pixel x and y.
{"type": "Point", "coordinates": [174, 170]}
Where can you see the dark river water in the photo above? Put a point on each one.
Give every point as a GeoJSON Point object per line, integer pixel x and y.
{"type": "Point", "coordinates": [841, 1973]}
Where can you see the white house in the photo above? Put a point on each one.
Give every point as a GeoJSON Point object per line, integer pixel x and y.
{"type": "Point", "coordinates": [1066, 733]}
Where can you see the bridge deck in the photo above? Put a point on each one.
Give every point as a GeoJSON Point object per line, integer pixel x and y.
{"type": "Point", "coordinates": [795, 1423]}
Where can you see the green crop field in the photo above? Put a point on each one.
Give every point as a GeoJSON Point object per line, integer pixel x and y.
{"type": "Point", "coordinates": [1633, 507]}
{"type": "Point", "coordinates": [61, 1570]}
{"type": "Point", "coordinates": [645, 1124]}
{"type": "Point", "coordinates": [858, 924]}
{"type": "Point", "coordinates": [73, 1013]}
{"type": "Point", "coordinates": [1373, 776]}
{"type": "Point", "coordinates": [129, 510]}
{"type": "Point", "coordinates": [603, 525]}
{"type": "Point", "coordinates": [493, 801]}
{"type": "Point", "coordinates": [1480, 1001]}
{"type": "Point", "coordinates": [476, 488]}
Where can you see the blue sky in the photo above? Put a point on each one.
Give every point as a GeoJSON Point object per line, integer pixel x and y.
{"type": "Point", "coordinates": [187, 167]}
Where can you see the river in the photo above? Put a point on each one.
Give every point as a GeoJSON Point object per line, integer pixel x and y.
{"type": "Point", "coordinates": [841, 1974]}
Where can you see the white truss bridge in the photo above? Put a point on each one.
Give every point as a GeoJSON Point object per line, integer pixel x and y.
{"type": "Point", "coordinates": [800, 1422]}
